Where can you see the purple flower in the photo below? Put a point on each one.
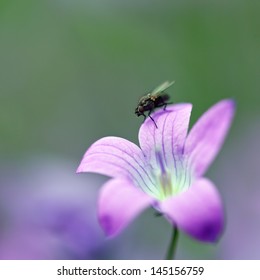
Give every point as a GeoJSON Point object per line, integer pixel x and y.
{"type": "Point", "coordinates": [166, 172]}
{"type": "Point", "coordinates": [47, 213]}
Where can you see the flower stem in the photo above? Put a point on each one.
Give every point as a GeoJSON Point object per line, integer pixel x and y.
{"type": "Point", "coordinates": [173, 244]}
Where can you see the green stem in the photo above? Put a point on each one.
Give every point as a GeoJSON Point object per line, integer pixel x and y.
{"type": "Point", "coordinates": [173, 244]}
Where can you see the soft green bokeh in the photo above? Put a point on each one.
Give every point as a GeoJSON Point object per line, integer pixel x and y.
{"type": "Point", "coordinates": [72, 72]}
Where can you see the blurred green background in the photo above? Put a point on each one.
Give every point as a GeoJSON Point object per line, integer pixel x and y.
{"type": "Point", "coordinates": [72, 72]}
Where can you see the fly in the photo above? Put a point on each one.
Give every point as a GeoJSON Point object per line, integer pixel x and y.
{"type": "Point", "coordinates": [155, 99]}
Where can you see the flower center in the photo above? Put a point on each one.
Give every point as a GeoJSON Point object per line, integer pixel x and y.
{"type": "Point", "coordinates": [171, 178]}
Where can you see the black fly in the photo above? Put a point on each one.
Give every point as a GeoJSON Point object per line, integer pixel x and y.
{"type": "Point", "coordinates": [155, 99]}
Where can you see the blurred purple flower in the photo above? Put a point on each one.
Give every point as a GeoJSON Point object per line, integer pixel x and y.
{"type": "Point", "coordinates": [48, 215]}
{"type": "Point", "coordinates": [166, 172]}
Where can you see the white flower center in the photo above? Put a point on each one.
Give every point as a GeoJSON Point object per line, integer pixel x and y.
{"type": "Point", "coordinates": [171, 178]}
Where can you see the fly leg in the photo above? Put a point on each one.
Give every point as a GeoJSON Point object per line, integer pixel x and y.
{"type": "Point", "coordinates": [165, 104]}
{"type": "Point", "coordinates": [152, 118]}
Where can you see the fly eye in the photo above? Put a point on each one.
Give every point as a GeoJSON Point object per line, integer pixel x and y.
{"type": "Point", "coordinates": [141, 109]}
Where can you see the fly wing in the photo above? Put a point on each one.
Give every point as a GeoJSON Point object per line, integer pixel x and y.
{"type": "Point", "coordinates": [162, 87]}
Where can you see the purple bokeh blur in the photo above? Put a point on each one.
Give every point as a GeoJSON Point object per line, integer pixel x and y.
{"type": "Point", "coordinates": [240, 173]}
{"type": "Point", "coordinates": [47, 212]}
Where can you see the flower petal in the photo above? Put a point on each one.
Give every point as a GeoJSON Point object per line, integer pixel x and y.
{"type": "Point", "coordinates": [119, 203]}
{"type": "Point", "coordinates": [116, 157]}
{"type": "Point", "coordinates": [170, 135]}
{"type": "Point", "coordinates": [198, 211]}
{"type": "Point", "coordinates": [207, 135]}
